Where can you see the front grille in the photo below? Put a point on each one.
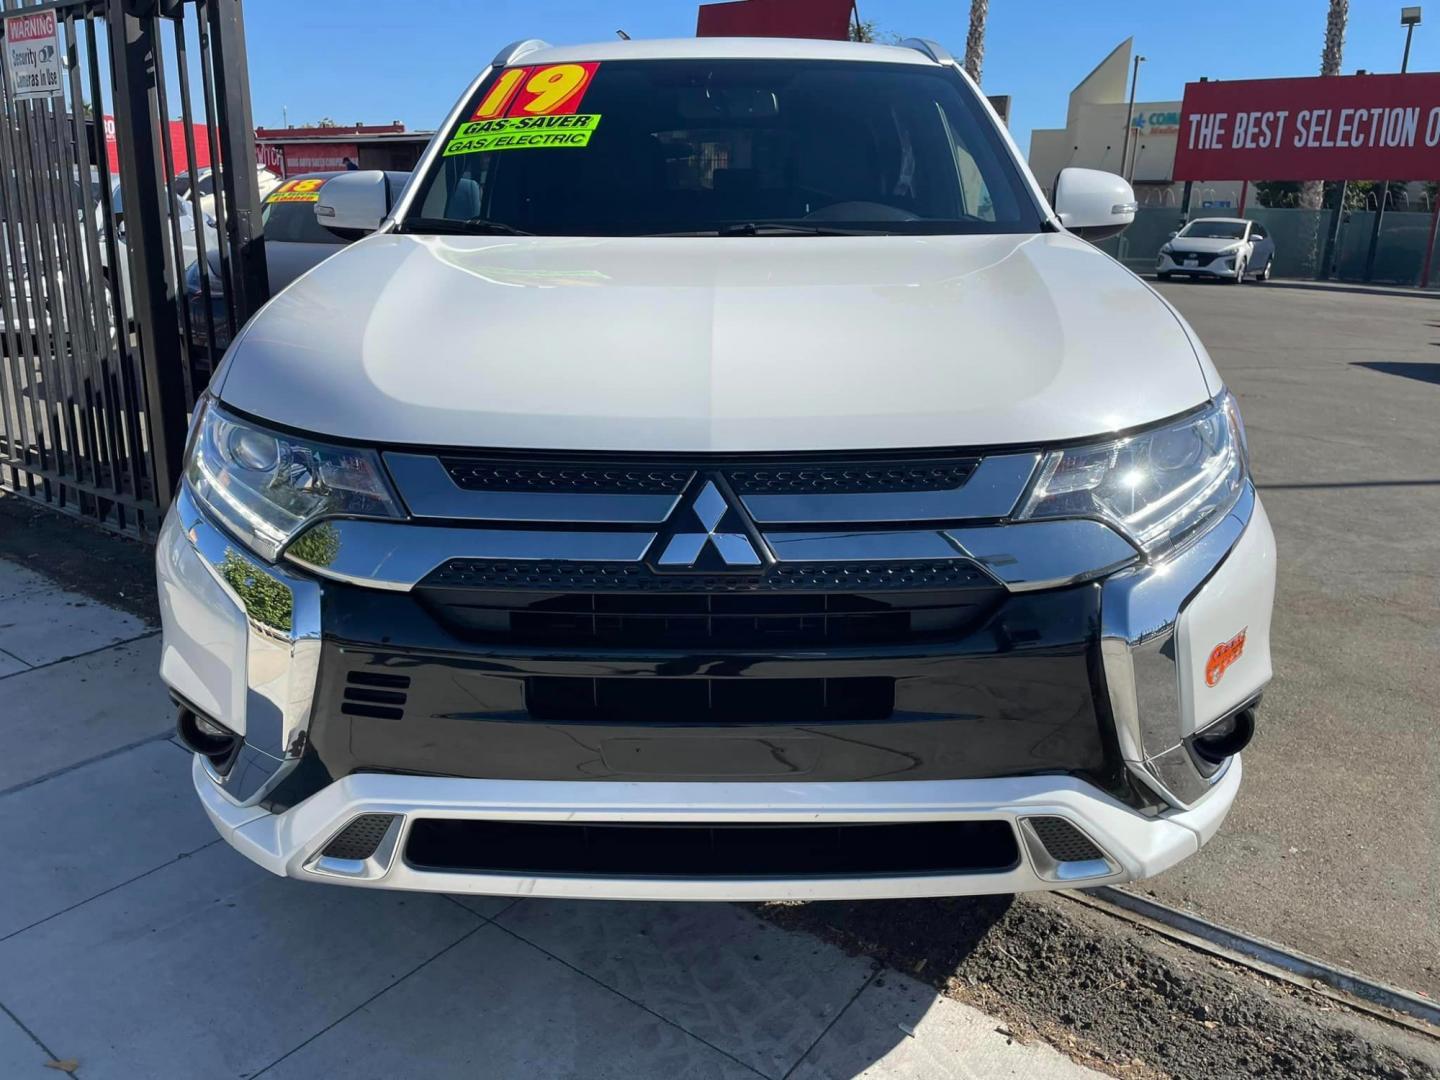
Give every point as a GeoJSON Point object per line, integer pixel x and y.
{"type": "Point", "coordinates": [1063, 841]}
{"type": "Point", "coordinates": [843, 479]}
{"type": "Point", "coordinates": [562, 479]}
{"type": "Point", "coordinates": [569, 699]}
{"type": "Point", "coordinates": [789, 478]}
{"type": "Point", "coordinates": [636, 577]}
{"type": "Point", "coordinates": [709, 852]}
{"type": "Point", "coordinates": [754, 620]}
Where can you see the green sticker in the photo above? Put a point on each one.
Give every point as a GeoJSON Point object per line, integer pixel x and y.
{"type": "Point", "coordinates": [523, 133]}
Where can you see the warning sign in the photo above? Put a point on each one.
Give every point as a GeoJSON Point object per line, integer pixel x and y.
{"type": "Point", "coordinates": [32, 55]}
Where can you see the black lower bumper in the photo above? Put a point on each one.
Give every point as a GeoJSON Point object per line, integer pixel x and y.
{"type": "Point", "coordinates": [1017, 693]}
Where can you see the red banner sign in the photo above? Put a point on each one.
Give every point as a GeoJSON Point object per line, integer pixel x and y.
{"type": "Point", "coordinates": [828, 19]}
{"type": "Point", "coordinates": [320, 157]}
{"type": "Point", "coordinates": [1343, 127]}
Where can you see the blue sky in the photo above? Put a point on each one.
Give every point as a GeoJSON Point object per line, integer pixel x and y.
{"type": "Point", "coordinates": [364, 62]}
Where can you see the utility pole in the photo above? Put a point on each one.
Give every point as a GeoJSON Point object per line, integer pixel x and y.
{"type": "Point", "coordinates": [1409, 18]}
{"type": "Point", "coordinates": [1129, 123]}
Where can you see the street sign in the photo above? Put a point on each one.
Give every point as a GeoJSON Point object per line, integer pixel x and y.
{"type": "Point", "coordinates": [32, 55]}
{"type": "Point", "coordinates": [1339, 127]}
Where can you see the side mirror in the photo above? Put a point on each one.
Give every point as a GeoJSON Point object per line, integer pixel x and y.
{"type": "Point", "coordinates": [1093, 204]}
{"type": "Point", "coordinates": [354, 202]}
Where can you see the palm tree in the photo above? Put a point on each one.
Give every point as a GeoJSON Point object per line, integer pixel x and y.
{"type": "Point", "coordinates": [975, 42]}
{"type": "Point", "coordinates": [1312, 194]}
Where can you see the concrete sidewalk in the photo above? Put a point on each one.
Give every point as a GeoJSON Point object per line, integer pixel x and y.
{"type": "Point", "coordinates": [134, 945]}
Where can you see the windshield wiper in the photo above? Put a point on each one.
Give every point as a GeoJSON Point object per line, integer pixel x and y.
{"type": "Point", "coordinates": [464, 227]}
{"type": "Point", "coordinates": [785, 228]}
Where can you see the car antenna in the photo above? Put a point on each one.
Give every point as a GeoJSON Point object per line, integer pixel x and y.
{"type": "Point", "coordinates": [622, 35]}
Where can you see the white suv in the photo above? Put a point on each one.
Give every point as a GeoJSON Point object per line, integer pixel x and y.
{"type": "Point", "coordinates": [721, 475]}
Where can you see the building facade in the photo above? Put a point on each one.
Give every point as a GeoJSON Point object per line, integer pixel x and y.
{"type": "Point", "coordinates": [1094, 138]}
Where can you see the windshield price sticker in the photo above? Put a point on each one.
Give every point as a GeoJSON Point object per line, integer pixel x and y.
{"type": "Point", "coordinates": [552, 90]}
{"type": "Point", "coordinates": [524, 133]}
{"type": "Point", "coordinates": [297, 191]}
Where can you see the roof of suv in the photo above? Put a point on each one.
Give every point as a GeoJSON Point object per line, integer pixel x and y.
{"type": "Point", "coordinates": [718, 48]}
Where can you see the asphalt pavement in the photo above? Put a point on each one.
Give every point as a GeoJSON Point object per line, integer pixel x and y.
{"type": "Point", "coordinates": [1332, 846]}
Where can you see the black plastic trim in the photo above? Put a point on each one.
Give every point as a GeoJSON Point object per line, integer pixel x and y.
{"type": "Point", "coordinates": [712, 852]}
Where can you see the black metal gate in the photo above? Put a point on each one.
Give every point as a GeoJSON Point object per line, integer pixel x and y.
{"type": "Point", "coordinates": [120, 284]}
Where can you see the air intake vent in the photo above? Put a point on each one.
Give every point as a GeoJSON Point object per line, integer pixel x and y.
{"type": "Point", "coordinates": [635, 577]}
{"type": "Point", "coordinates": [708, 852]}
{"type": "Point", "coordinates": [567, 479]}
{"type": "Point", "coordinates": [378, 695]}
{"type": "Point", "coordinates": [842, 479]}
{"type": "Point", "coordinates": [1063, 841]}
{"type": "Point", "coordinates": [360, 838]}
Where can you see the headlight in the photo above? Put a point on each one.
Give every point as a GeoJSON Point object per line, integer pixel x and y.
{"type": "Point", "coordinates": [1233, 249]}
{"type": "Point", "coordinates": [1166, 249]}
{"type": "Point", "coordinates": [267, 487]}
{"type": "Point", "coordinates": [1159, 488]}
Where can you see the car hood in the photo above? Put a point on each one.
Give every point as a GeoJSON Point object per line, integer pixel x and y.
{"type": "Point", "coordinates": [709, 344]}
{"type": "Point", "coordinates": [1202, 245]}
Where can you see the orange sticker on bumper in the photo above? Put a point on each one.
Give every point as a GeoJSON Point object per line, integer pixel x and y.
{"type": "Point", "coordinates": [1223, 656]}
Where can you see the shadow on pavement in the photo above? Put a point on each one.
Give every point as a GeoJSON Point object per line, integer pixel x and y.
{"type": "Point", "coordinates": [1405, 369]}
{"type": "Point", "coordinates": [1415, 293]}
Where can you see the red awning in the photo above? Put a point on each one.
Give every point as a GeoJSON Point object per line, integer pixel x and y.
{"type": "Point", "coordinates": [828, 19]}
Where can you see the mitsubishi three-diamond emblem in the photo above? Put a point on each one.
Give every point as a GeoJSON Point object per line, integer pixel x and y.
{"type": "Point", "coordinates": [707, 534]}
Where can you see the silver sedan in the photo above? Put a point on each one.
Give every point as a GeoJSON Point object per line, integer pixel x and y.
{"type": "Point", "coordinates": [1230, 249]}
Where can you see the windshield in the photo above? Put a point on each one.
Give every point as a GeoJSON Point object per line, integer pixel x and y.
{"type": "Point", "coordinates": [1215, 230]}
{"type": "Point", "coordinates": [704, 146]}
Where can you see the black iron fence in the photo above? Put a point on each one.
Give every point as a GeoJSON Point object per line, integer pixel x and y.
{"type": "Point", "coordinates": [130, 242]}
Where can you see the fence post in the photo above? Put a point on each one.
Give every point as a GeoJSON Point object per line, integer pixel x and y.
{"type": "Point", "coordinates": [237, 151]}
{"type": "Point", "coordinates": [1430, 245]}
{"type": "Point", "coordinates": [1332, 248]}
{"type": "Point", "coordinates": [134, 67]}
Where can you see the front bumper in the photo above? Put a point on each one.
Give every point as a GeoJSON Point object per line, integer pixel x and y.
{"type": "Point", "coordinates": [1217, 266]}
{"type": "Point", "coordinates": [292, 844]}
{"type": "Point", "coordinates": [1142, 795]}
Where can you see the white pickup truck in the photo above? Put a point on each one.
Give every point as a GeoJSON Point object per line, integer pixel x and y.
{"type": "Point", "coordinates": [720, 474]}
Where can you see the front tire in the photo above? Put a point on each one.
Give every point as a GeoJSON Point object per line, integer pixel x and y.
{"type": "Point", "coordinates": [1239, 278]}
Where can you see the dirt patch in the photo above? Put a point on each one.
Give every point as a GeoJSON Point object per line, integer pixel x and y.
{"type": "Point", "coordinates": [1113, 996]}
{"type": "Point", "coordinates": [79, 556]}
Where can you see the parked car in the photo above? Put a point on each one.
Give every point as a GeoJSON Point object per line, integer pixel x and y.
{"type": "Point", "coordinates": [204, 180]}
{"type": "Point", "coordinates": [721, 474]}
{"type": "Point", "coordinates": [294, 242]}
{"type": "Point", "coordinates": [1230, 249]}
{"type": "Point", "coordinates": [56, 311]}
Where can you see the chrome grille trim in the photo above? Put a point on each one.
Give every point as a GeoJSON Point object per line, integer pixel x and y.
{"type": "Point", "coordinates": [861, 546]}
{"type": "Point", "coordinates": [991, 491]}
{"type": "Point", "coordinates": [397, 556]}
{"type": "Point", "coordinates": [1045, 554]}
{"type": "Point", "coordinates": [574, 523]}
{"type": "Point", "coordinates": [430, 492]}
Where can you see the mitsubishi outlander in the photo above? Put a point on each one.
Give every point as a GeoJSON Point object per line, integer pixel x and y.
{"type": "Point", "coordinates": [722, 473]}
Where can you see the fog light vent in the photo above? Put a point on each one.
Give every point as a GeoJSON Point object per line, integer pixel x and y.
{"type": "Point", "coordinates": [1063, 841]}
{"type": "Point", "coordinates": [358, 841]}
